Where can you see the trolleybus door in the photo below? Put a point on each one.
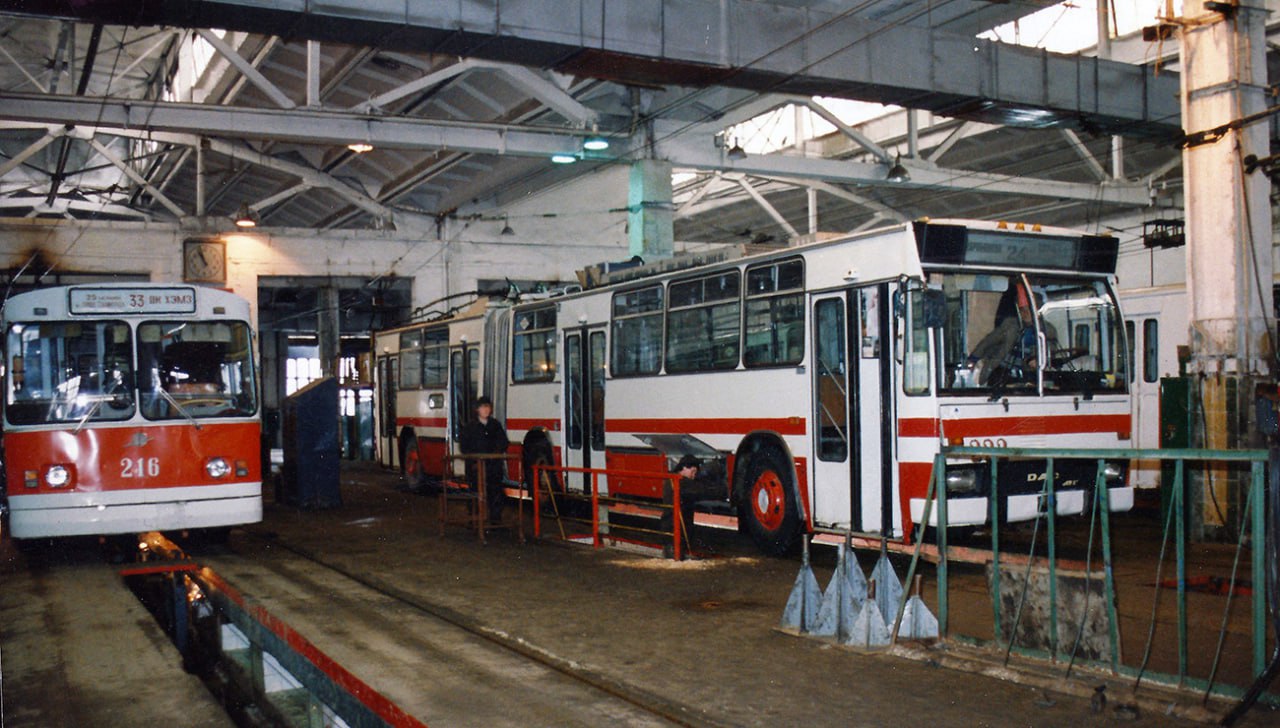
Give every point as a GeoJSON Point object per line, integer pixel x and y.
{"type": "Point", "coordinates": [464, 388]}
{"type": "Point", "coordinates": [388, 378]}
{"type": "Point", "coordinates": [584, 403]}
{"type": "Point", "coordinates": [849, 435]}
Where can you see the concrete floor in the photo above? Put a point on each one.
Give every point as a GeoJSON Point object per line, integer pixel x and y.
{"type": "Point", "coordinates": [697, 638]}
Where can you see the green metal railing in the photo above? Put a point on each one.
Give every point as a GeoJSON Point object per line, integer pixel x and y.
{"type": "Point", "coordinates": [1252, 529]}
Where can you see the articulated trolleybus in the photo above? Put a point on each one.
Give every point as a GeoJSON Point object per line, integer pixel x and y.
{"type": "Point", "coordinates": [821, 380]}
{"type": "Point", "coordinates": [129, 408]}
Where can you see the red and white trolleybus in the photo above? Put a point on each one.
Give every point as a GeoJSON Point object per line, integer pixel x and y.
{"type": "Point", "coordinates": [129, 408]}
{"type": "Point", "coordinates": [820, 379]}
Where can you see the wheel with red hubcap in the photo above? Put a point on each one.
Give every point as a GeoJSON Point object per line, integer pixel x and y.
{"type": "Point", "coordinates": [767, 510]}
{"type": "Point", "coordinates": [411, 463]}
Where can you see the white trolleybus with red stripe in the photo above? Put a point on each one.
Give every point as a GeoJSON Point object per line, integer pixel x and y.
{"type": "Point", "coordinates": [129, 408]}
{"type": "Point", "coordinates": [822, 379]}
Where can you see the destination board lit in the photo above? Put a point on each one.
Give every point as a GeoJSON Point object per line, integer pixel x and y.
{"type": "Point", "coordinates": [86, 301]}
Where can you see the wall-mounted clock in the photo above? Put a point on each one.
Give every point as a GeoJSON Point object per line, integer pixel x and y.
{"type": "Point", "coordinates": [204, 261]}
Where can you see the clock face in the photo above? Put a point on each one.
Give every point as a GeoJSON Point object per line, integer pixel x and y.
{"type": "Point", "coordinates": [204, 261]}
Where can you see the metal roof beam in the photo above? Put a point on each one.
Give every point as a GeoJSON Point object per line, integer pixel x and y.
{"type": "Point", "coordinates": [247, 69]}
{"type": "Point", "coordinates": [768, 208]}
{"type": "Point", "coordinates": [1090, 161]}
{"type": "Point", "coordinates": [30, 151]}
{"type": "Point", "coordinates": [705, 157]}
{"type": "Point", "coordinates": [298, 125]}
{"type": "Point", "coordinates": [808, 50]}
{"type": "Point", "coordinates": [133, 175]}
{"type": "Point", "coordinates": [544, 90]}
{"type": "Point", "coordinates": [858, 137]}
{"type": "Point", "coordinates": [380, 101]}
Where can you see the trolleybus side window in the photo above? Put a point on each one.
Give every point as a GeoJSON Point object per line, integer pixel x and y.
{"type": "Point", "coordinates": [1150, 350]}
{"type": "Point", "coordinates": [411, 359]}
{"type": "Point", "coordinates": [637, 331]}
{"type": "Point", "coordinates": [196, 369]}
{"type": "Point", "coordinates": [832, 377]}
{"type": "Point", "coordinates": [1130, 331]}
{"type": "Point", "coordinates": [703, 323]}
{"type": "Point", "coordinates": [533, 345]}
{"type": "Point", "coordinates": [435, 358]}
{"type": "Point", "coordinates": [69, 371]}
{"type": "Point", "coordinates": [915, 324]}
{"type": "Point", "coordinates": [775, 314]}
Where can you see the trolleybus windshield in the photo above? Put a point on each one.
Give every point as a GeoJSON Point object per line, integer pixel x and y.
{"type": "Point", "coordinates": [1030, 334]}
{"type": "Point", "coordinates": [69, 371]}
{"type": "Point", "coordinates": [195, 369]}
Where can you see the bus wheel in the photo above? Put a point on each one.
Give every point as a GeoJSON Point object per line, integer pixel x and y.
{"type": "Point", "coordinates": [768, 508]}
{"type": "Point", "coordinates": [538, 452]}
{"type": "Point", "coordinates": [411, 461]}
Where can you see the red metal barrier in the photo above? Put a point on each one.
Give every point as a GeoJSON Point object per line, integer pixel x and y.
{"type": "Point", "coordinates": [541, 471]}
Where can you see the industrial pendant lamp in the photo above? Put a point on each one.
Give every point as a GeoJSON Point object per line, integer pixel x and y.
{"type": "Point", "coordinates": [898, 173]}
{"type": "Point", "coordinates": [245, 218]}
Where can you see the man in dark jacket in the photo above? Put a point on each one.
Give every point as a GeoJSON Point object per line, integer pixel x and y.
{"type": "Point", "coordinates": [692, 489]}
{"type": "Point", "coordinates": [486, 435]}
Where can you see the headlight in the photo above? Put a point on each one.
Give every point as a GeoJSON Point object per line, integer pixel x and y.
{"type": "Point", "coordinates": [57, 476]}
{"type": "Point", "coordinates": [962, 481]}
{"type": "Point", "coordinates": [1113, 473]}
{"type": "Point", "coordinates": [217, 468]}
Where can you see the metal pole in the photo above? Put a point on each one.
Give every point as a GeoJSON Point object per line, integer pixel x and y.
{"type": "Point", "coordinates": [677, 518]}
{"type": "Point", "coordinates": [940, 477]}
{"type": "Point", "coordinates": [1257, 532]}
{"type": "Point", "coordinates": [1102, 501]}
{"type": "Point", "coordinates": [1180, 536]}
{"type": "Point", "coordinates": [1052, 507]}
{"type": "Point", "coordinates": [538, 473]}
{"type": "Point", "coordinates": [595, 510]}
{"type": "Point", "coordinates": [994, 499]}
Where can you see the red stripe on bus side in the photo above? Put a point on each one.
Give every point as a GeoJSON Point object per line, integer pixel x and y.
{"type": "Point", "coordinates": [525, 423]}
{"type": "Point", "coordinates": [1049, 425]}
{"type": "Point", "coordinates": [913, 482]}
{"type": "Point", "coordinates": [708, 425]}
{"type": "Point", "coordinates": [421, 421]}
{"type": "Point", "coordinates": [918, 427]}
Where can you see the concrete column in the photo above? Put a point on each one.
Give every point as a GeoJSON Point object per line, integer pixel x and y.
{"type": "Point", "coordinates": [1229, 268]}
{"type": "Point", "coordinates": [650, 214]}
{"type": "Point", "coordinates": [328, 327]}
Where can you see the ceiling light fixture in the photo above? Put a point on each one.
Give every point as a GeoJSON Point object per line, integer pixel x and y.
{"type": "Point", "coordinates": [506, 227]}
{"type": "Point", "coordinates": [898, 173]}
{"type": "Point", "coordinates": [360, 147]}
{"type": "Point", "coordinates": [595, 142]}
{"type": "Point", "coordinates": [563, 158]}
{"type": "Point", "coordinates": [736, 152]}
{"type": "Point", "coordinates": [245, 217]}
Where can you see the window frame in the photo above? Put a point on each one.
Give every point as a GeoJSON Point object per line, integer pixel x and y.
{"type": "Point", "coordinates": [519, 375]}
{"type": "Point", "coordinates": [772, 296]}
{"type": "Point", "coordinates": [734, 299]}
{"type": "Point", "coordinates": [659, 312]}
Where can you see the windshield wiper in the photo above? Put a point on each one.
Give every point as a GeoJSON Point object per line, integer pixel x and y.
{"type": "Point", "coordinates": [93, 410]}
{"type": "Point", "coordinates": [181, 410]}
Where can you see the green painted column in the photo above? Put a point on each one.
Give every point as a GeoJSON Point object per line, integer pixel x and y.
{"type": "Point", "coordinates": [650, 214]}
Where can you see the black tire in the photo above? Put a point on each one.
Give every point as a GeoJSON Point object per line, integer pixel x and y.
{"type": "Point", "coordinates": [538, 452]}
{"type": "Point", "coordinates": [767, 509]}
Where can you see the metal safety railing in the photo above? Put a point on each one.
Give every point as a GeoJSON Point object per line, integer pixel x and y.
{"type": "Point", "coordinates": [1250, 466]}
{"type": "Point", "coordinates": [602, 503]}
{"type": "Point", "coordinates": [476, 495]}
